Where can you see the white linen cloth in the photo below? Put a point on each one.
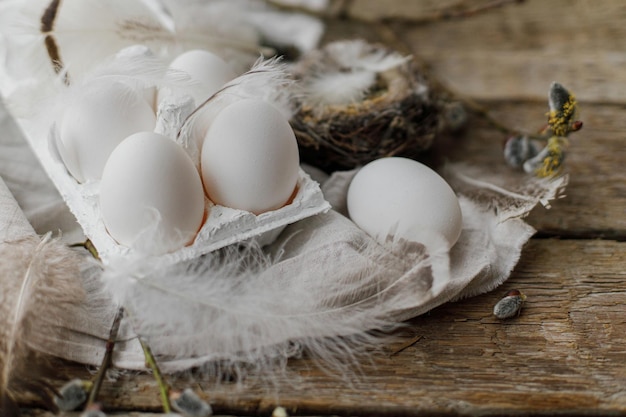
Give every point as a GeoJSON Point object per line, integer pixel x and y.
{"type": "Point", "coordinates": [318, 252]}
{"type": "Point", "coordinates": [329, 279]}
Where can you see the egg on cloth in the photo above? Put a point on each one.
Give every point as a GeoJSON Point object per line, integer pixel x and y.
{"type": "Point", "coordinates": [151, 196]}
{"type": "Point", "coordinates": [249, 158]}
{"type": "Point", "coordinates": [406, 199]}
{"type": "Point", "coordinates": [96, 122]}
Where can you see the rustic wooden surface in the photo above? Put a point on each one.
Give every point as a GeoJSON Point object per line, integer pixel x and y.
{"type": "Point", "coordinates": [566, 353]}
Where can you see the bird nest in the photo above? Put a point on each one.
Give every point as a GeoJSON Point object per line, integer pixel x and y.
{"type": "Point", "coordinates": [397, 115]}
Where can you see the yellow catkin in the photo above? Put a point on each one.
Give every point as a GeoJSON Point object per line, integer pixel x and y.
{"type": "Point", "coordinates": [553, 161]}
{"type": "Point", "coordinates": [560, 120]}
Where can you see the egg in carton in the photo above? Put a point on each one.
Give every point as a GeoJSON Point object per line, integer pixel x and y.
{"type": "Point", "coordinates": [147, 169]}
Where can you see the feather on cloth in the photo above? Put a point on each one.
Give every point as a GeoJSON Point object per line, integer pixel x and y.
{"type": "Point", "coordinates": [40, 280]}
{"type": "Point", "coordinates": [240, 305]}
{"type": "Point", "coordinates": [320, 288]}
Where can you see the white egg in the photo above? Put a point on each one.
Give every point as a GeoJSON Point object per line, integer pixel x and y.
{"type": "Point", "coordinates": [206, 68]}
{"type": "Point", "coordinates": [95, 124]}
{"type": "Point", "coordinates": [151, 195]}
{"type": "Point", "coordinates": [406, 199]}
{"type": "Point", "coordinates": [250, 157]}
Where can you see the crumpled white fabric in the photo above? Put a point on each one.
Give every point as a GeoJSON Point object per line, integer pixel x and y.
{"type": "Point", "coordinates": [316, 254]}
{"type": "Point", "coordinates": [491, 242]}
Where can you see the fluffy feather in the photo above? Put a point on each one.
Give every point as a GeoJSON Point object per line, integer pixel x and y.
{"type": "Point", "coordinates": [337, 88]}
{"type": "Point", "coordinates": [40, 279]}
{"type": "Point", "coordinates": [245, 306]}
{"type": "Point", "coordinates": [133, 66]}
{"type": "Point", "coordinates": [360, 55]}
{"type": "Point", "coordinates": [45, 38]}
{"type": "Point", "coordinates": [47, 41]}
{"type": "Point", "coordinates": [267, 80]}
{"type": "Point", "coordinates": [344, 72]}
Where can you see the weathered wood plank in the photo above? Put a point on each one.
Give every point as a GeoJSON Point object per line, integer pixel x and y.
{"type": "Point", "coordinates": [595, 205]}
{"type": "Point", "coordinates": [564, 354]}
{"type": "Point", "coordinates": [515, 51]}
{"type": "Point", "coordinates": [512, 54]}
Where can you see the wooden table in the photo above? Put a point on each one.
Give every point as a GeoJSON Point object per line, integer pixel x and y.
{"type": "Point", "coordinates": [566, 353]}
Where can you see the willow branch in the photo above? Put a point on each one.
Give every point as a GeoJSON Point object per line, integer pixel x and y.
{"type": "Point", "coordinates": [158, 377]}
{"type": "Point", "coordinates": [89, 247]}
{"type": "Point", "coordinates": [106, 360]}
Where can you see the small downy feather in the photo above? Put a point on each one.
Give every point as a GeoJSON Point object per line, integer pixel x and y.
{"type": "Point", "coordinates": [343, 72]}
{"type": "Point", "coordinates": [134, 66]}
{"type": "Point", "coordinates": [134, 73]}
{"type": "Point", "coordinates": [242, 305]}
{"type": "Point", "coordinates": [47, 42]}
{"type": "Point", "coordinates": [40, 278]}
{"type": "Point", "coordinates": [267, 79]}
{"type": "Point", "coordinates": [339, 88]}
{"type": "Point", "coordinates": [69, 37]}
{"type": "Point", "coordinates": [360, 55]}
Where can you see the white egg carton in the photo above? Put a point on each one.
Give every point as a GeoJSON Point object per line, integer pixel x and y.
{"type": "Point", "coordinates": [224, 226]}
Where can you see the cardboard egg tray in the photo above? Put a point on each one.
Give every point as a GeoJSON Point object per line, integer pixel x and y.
{"type": "Point", "coordinates": [223, 226]}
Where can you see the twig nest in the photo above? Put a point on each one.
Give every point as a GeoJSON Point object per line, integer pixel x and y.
{"type": "Point", "coordinates": [359, 102]}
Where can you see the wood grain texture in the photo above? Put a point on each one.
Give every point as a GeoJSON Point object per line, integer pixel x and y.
{"type": "Point", "coordinates": [514, 52]}
{"type": "Point", "coordinates": [507, 58]}
{"type": "Point", "coordinates": [565, 353]}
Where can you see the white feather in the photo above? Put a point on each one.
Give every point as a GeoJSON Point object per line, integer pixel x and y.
{"type": "Point", "coordinates": [40, 282]}
{"type": "Point", "coordinates": [339, 88]}
{"type": "Point", "coordinates": [267, 80]}
{"type": "Point", "coordinates": [135, 67]}
{"type": "Point", "coordinates": [288, 29]}
{"type": "Point", "coordinates": [140, 72]}
{"type": "Point", "coordinates": [343, 72]}
{"type": "Point", "coordinates": [242, 305]}
{"type": "Point", "coordinates": [360, 55]}
{"type": "Point", "coordinates": [221, 26]}
{"type": "Point", "coordinates": [88, 31]}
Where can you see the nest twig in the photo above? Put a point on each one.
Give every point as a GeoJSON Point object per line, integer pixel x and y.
{"type": "Point", "coordinates": [398, 117]}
